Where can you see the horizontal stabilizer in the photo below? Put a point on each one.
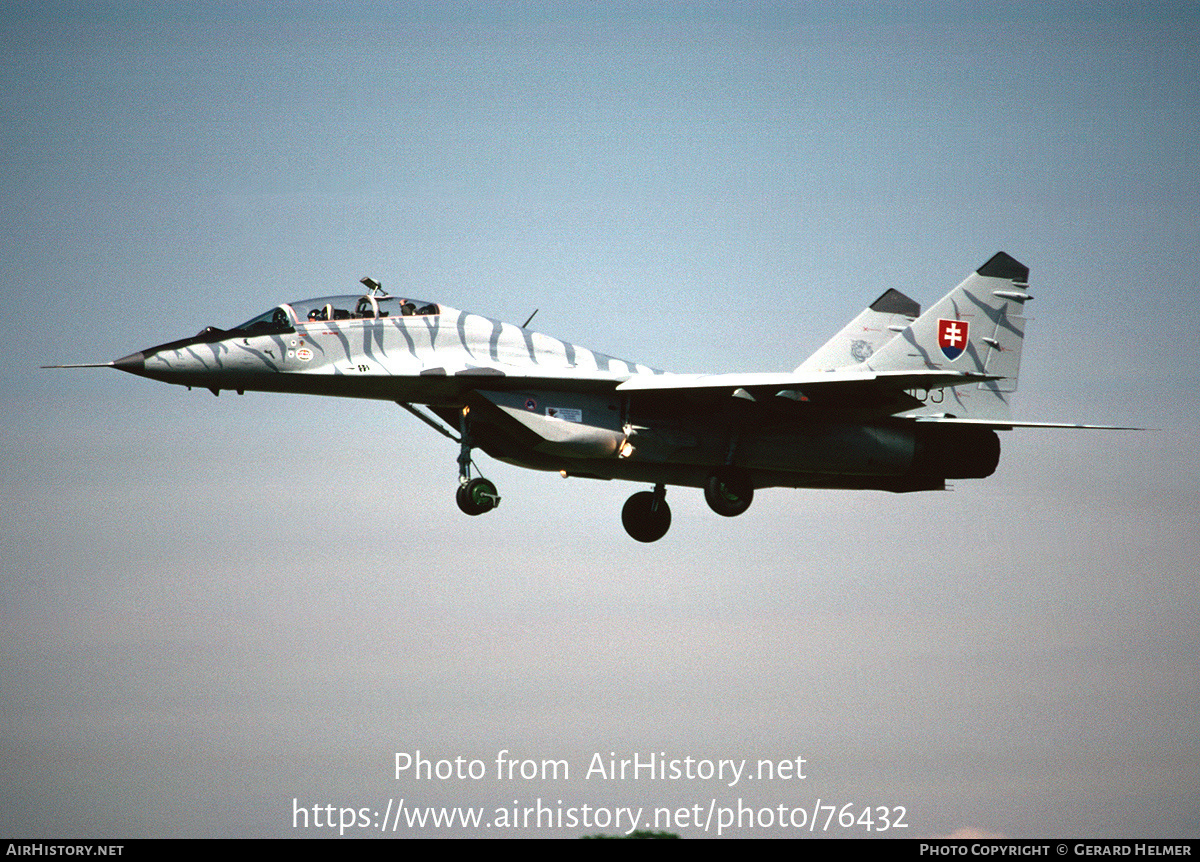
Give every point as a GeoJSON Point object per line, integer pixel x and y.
{"type": "Point", "coordinates": [1004, 425]}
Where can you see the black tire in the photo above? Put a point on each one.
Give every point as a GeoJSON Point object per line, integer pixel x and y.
{"type": "Point", "coordinates": [646, 516]}
{"type": "Point", "coordinates": [728, 492]}
{"type": "Point", "coordinates": [477, 496]}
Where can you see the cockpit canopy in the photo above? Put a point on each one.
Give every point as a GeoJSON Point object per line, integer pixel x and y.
{"type": "Point", "coordinates": [284, 318]}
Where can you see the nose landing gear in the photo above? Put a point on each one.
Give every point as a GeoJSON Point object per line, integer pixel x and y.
{"type": "Point", "coordinates": [478, 495]}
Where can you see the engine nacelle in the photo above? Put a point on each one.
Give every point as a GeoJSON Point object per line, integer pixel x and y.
{"type": "Point", "coordinates": [956, 452]}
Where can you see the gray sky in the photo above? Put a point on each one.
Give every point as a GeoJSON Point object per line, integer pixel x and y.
{"type": "Point", "coordinates": [212, 607]}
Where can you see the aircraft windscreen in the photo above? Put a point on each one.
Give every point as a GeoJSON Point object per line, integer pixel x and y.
{"type": "Point", "coordinates": [275, 320]}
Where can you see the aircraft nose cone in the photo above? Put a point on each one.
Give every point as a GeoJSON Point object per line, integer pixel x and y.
{"type": "Point", "coordinates": [134, 363]}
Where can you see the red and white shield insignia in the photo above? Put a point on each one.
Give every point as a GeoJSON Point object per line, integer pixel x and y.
{"type": "Point", "coordinates": [952, 337]}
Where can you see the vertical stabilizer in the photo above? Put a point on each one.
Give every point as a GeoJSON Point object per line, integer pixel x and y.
{"type": "Point", "coordinates": [978, 327]}
{"type": "Point", "coordinates": [864, 335]}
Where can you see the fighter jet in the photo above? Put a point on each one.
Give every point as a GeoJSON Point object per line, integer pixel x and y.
{"type": "Point", "coordinates": [897, 401]}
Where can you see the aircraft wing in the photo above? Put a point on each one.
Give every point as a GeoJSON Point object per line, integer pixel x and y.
{"type": "Point", "coordinates": [879, 382]}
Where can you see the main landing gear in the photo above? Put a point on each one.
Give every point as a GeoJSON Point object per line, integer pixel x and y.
{"type": "Point", "coordinates": [728, 492]}
{"type": "Point", "coordinates": [646, 515]}
{"type": "Point", "coordinates": [478, 495]}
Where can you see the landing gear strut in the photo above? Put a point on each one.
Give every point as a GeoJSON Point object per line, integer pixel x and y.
{"type": "Point", "coordinates": [646, 515]}
{"type": "Point", "coordinates": [478, 495]}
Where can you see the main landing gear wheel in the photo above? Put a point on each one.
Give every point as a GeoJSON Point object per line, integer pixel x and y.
{"type": "Point", "coordinates": [646, 515]}
{"type": "Point", "coordinates": [728, 492]}
{"type": "Point", "coordinates": [477, 496]}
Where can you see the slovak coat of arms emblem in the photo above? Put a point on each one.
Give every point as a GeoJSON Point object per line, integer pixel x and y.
{"type": "Point", "coordinates": [952, 337]}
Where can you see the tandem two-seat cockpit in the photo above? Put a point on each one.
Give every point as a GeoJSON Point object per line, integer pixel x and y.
{"type": "Point", "coordinates": [285, 318]}
{"type": "Point", "coordinates": [475, 495]}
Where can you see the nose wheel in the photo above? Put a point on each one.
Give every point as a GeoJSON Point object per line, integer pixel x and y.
{"type": "Point", "coordinates": [646, 515]}
{"type": "Point", "coordinates": [477, 496]}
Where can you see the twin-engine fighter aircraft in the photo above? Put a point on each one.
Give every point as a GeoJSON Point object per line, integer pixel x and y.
{"type": "Point", "coordinates": [896, 401]}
